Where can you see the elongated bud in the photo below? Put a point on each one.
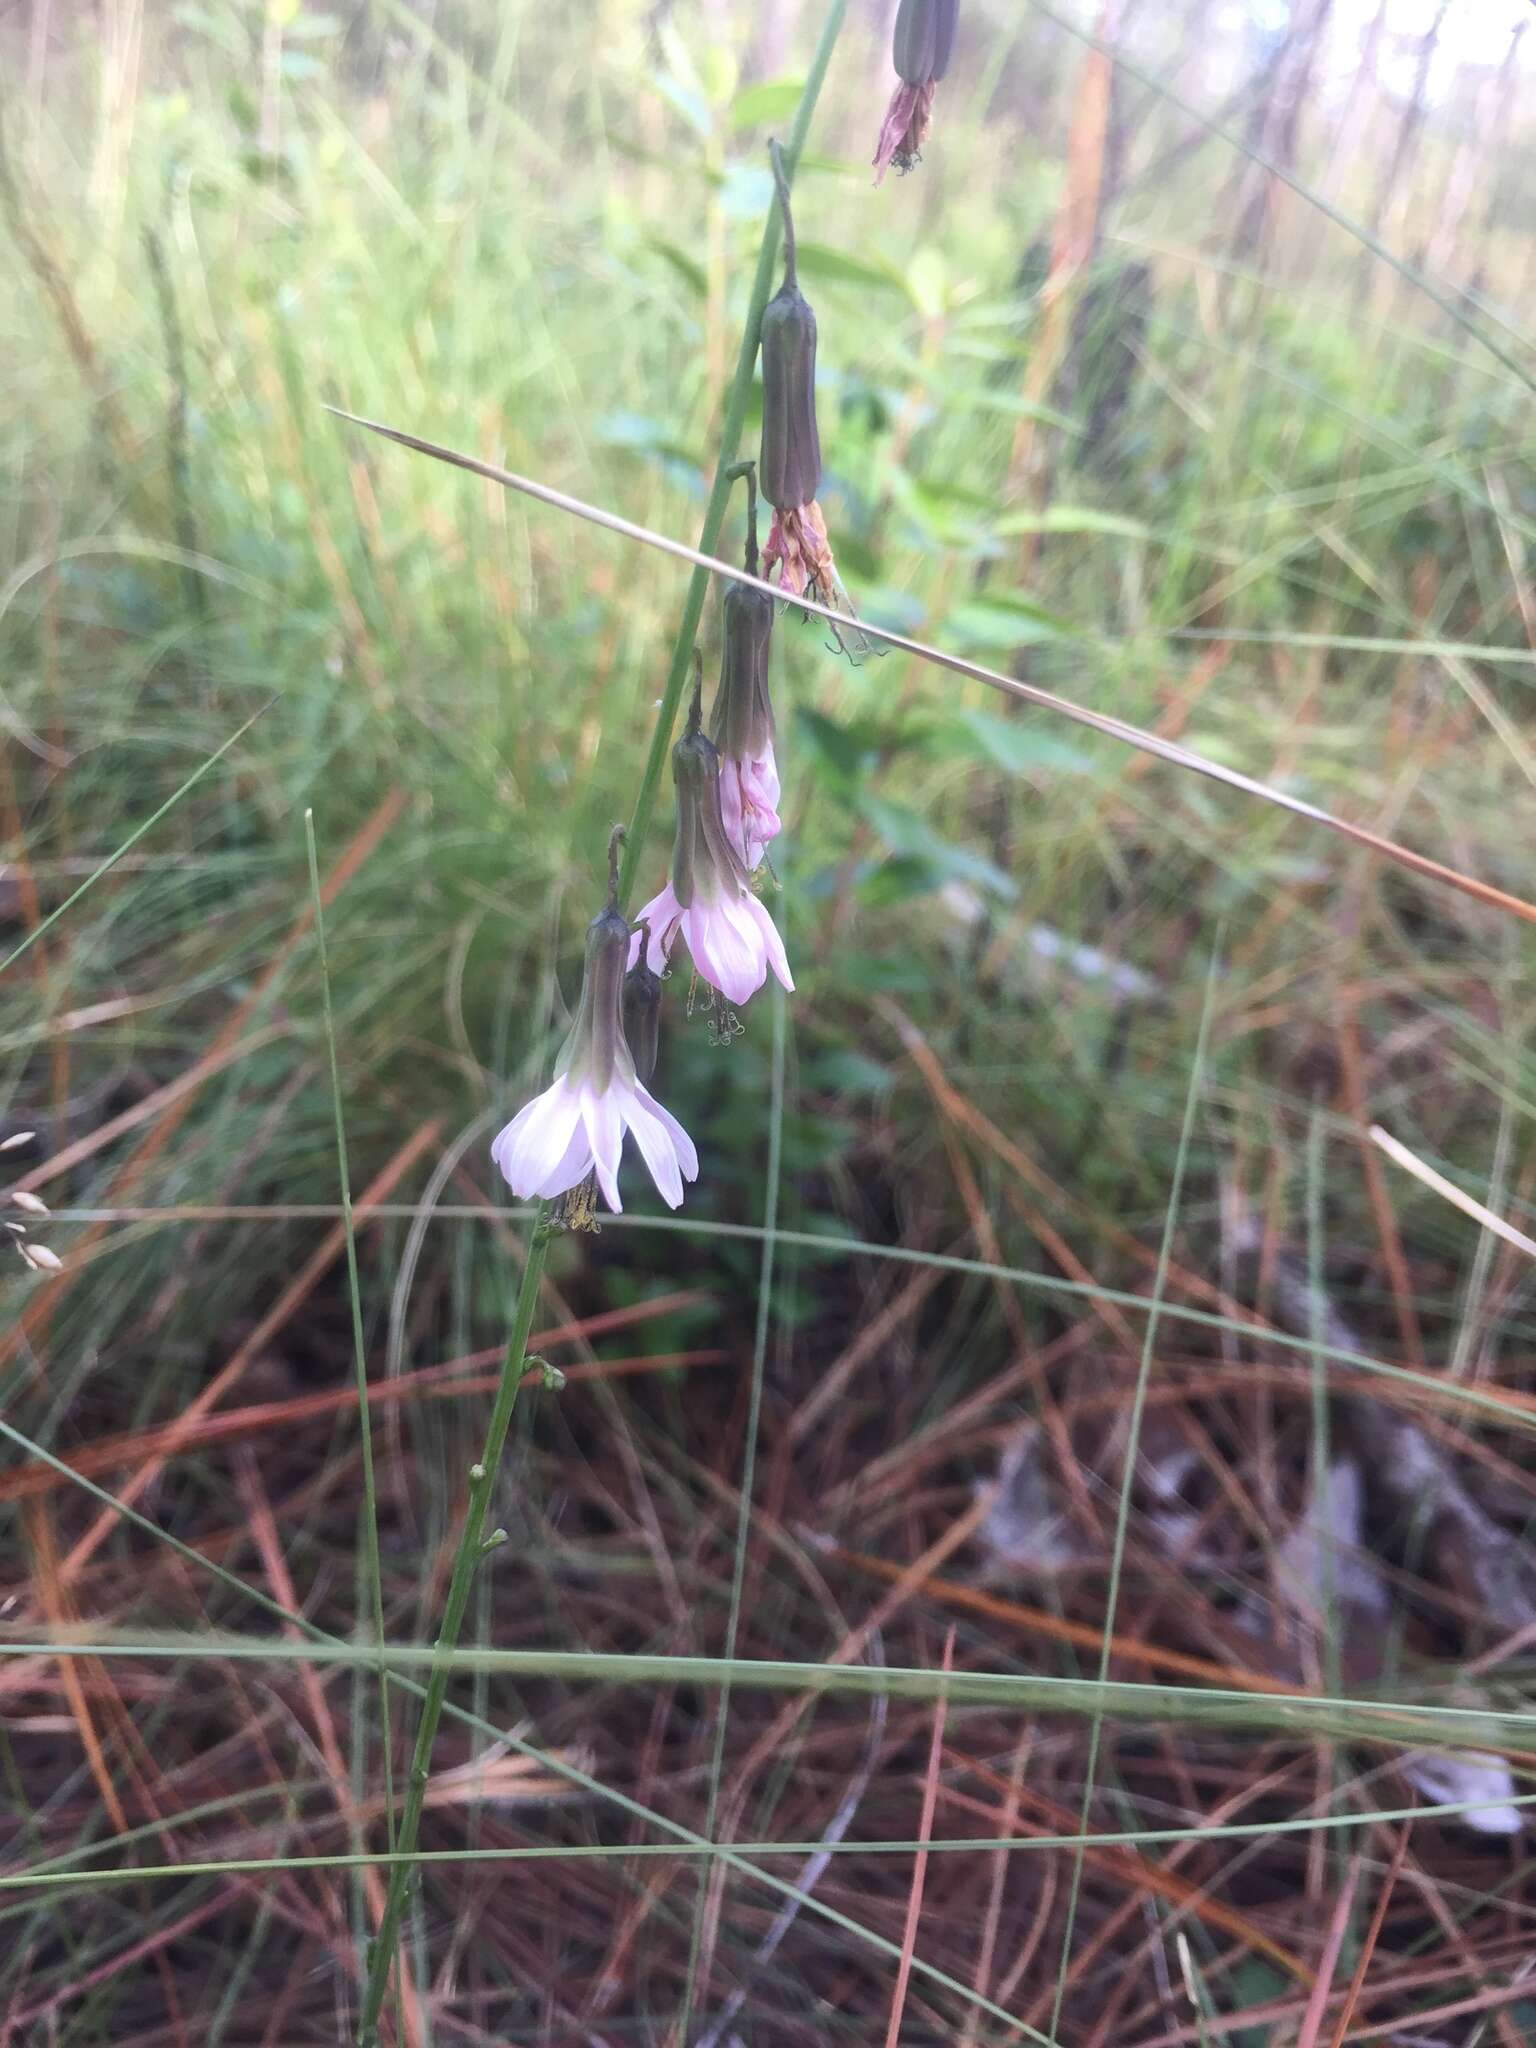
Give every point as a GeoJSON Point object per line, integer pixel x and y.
{"type": "Point", "coordinates": [703, 859]}
{"type": "Point", "coordinates": [789, 460]}
{"type": "Point", "coordinates": [642, 1013]}
{"type": "Point", "coordinates": [924, 40]}
{"type": "Point", "coordinates": [741, 724]}
{"type": "Point", "coordinates": [595, 1046]}
{"type": "Point", "coordinates": [696, 772]}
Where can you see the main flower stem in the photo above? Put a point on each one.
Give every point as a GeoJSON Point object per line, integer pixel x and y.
{"type": "Point", "coordinates": [730, 437]}
{"type": "Point", "coordinates": [482, 1479]}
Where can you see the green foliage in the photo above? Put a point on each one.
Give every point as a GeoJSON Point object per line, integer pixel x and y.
{"type": "Point", "coordinates": [1269, 503]}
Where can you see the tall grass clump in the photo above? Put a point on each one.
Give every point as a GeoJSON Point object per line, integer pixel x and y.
{"type": "Point", "coordinates": [1024, 1535]}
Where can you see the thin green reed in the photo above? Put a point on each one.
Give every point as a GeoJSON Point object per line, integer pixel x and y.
{"type": "Point", "coordinates": [372, 1571]}
{"type": "Point", "coordinates": [483, 1474]}
{"type": "Point", "coordinates": [744, 1510]}
{"type": "Point", "coordinates": [472, 1548]}
{"type": "Point", "coordinates": [1132, 1452]}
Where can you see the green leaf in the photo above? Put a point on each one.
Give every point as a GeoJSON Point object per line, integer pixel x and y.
{"type": "Point", "coordinates": [836, 747]}
{"type": "Point", "coordinates": [761, 106]}
{"type": "Point", "coordinates": [1071, 519]}
{"type": "Point", "coordinates": [844, 1071]}
{"type": "Point", "coordinates": [816, 259]}
{"type": "Point", "coordinates": [911, 838]}
{"type": "Point", "coordinates": [687, 268]}
{"type": "Point", "coordinates": [1000, 623]}
{"type": "Point", "coordinates": [1021, 745]}
{"type": "Point", "coordinates": [1014, 407]}
{"type": "Point", "coordinates": [648, 436]}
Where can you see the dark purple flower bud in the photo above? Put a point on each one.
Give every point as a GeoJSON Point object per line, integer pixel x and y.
{"type": "Point", "coordinates": [921, 49]}
{"type": "Point", "coordinates": [789, 462]}
{"type": "Point", "coordinates": [642, 1017]}
{"type": "Point", "coordinates": [924, 40]}
{"type": "Point", "coordinates": [595, 1049]}
{"type": "Point", "coordinates": [741, 724]}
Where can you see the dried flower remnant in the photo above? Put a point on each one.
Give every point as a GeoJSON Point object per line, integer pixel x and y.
{"type": "Point", "coordinates": [742, 724]}
{"type": "Point", "coordinates": [921, 47]}
{"type": "Point", "coordinates": [789, 457]}
{"type": "Point", "coordinates": [730, 937]}
{"type": "Point", "coordinates": [570, 1137]}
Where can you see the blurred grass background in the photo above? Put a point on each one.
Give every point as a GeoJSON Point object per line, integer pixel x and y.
{"type": "Point", "coordinates": [1105, 401]}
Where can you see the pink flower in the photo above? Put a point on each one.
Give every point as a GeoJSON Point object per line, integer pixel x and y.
{"type": "Point", "coordinates": [749, 803]}
{"type": "Point", "coordinates": [575, 1129]}
{"type": "Point", "coordinates": [729, 934]}
{"type": "Point", "coordinates": [741, 724]}
{"type": "Point", "coordinates": [731, 940]}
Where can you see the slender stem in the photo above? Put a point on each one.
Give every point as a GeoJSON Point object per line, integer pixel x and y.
{"type": "Point", "coordinates": [482, 1478]}
{"type": "Point", "coordinates": [786, 215]}
{"type": "Point", "coordinates": [730, 436]}
{"type": "Point", "coordinates": [748, 471]}
{"type": "Point", "coordinates": [483, 1474]}
{"type": "Point", "coordinates": [371, 1566]}
{"type": "Point", "coordinates": [712, 1883]}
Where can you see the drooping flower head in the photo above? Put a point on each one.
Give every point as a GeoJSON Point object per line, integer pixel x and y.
{"type": "Point", "coordinates": [573, 1133]}
{"type": "Point", "coordinates": [921, 47]}
{"type": "Point", "coordinates": [730, 937]}
{"type": "Point", "coordinates": [741, 723]}
{"type": "Point", "coordinates": [789, 458]}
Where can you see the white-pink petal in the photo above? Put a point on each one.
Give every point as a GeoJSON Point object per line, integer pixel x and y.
{"type": "Point", "coordinates": [660, 917]}
{"type": "Point", "coordinates": [773, 945]}
{"type": "Point", "coordinates": [656, 1149]}
{"type": "Point", "coordinates": [587, 1125]}
{"type": "Point", "coordinates": [542, 1152]}
{"type": "Point", "coordinates": [605, 1129]}
{"type": "Point", "coordinates": [682, 1144]}
{"type": "Point", "coordinates": [727, 947]}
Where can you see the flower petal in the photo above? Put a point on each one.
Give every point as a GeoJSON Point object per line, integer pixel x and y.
{"type": "Point", "coordinates": [537, 1147]}
{"type": "Point", "coordinates": [682, 1144]}
{"type": "Point", "coordinates": [661, 917]}
{"type": "Point", "coordinates": [605, 1128]}
{"type": "Point", "coordinates": [657, 1149]}
{"type": "Point", "coordinates": [727, 947]}
{"type": "Point", "coordinates": [773, 945]}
